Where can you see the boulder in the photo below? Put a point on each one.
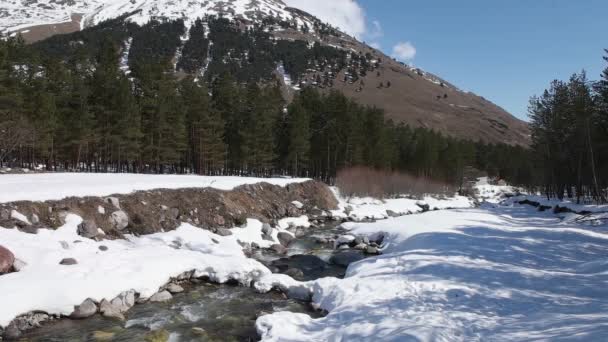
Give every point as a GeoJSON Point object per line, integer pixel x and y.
{"type": "Point", "coordinates": [295, 273]}
{"type": "Point", "coordinates": [23, 323]}
{"type": "Point", "coordinates": [223, 232]}
{"type": "Point", "coordinates": [280, 249]}
{"type": "Point", "coordinates": [119, 220]}
{"type": "Point", "coordinates": [285, 238]}
{"type": "Point", "coordinates": [124, 301]}
{"type": "Point", "coordinates": [88, 229]}
{"type": "Point", "coordinates": [103, 248]}
{"type": "Point", "coordinates": [162, 296]}
{"type": "Point", "coordinates": [85, 310]}
{"type": "Point", "coordinates": [19, 264]}
{"type": "Point", "coordinates": [7, 259]}
{"type": "Point", "coordinates": [109, 310]}
{"type": "Point", "coordinates": [266, 229]}
{"type": "Point", "coordinates": [68, 262]}
{"type": "Point", "coordinates": [174, 288]}
{"type": "Point", "coordinates": [372, 250]}
{"type": "Point", "coordinates": [114, 201]}
{"type": "Point", "coordinates": [346, 258]}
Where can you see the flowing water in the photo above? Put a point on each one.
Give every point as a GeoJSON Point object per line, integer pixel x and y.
{"type": "Point", "coordinates": [209, 312]}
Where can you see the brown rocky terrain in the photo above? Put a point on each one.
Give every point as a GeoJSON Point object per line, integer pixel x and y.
{"type": "Point", "coordinates": [148, 212]}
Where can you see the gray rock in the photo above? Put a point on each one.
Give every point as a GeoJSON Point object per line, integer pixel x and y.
{"type": "Point", "coordinates": [88, 229]}
{"type": "Point", "coordinates": [110, 311]}
{"type": "Point", "coordinates": [223, 232]}
{"type": "Point", "coordinates": [360, 247]}
{"type": "Point", "coordinates": [18, 265]}
{"type": "Point", "coordinates": [285, 238]}
{"type": "Point", "coordinates": [266, 229]}
{"type": "Point", "coordinates": [124, 301]}
{"type": "Point", "coordinates": [119, 220]}
{"type": "Point", "coordinates": [68, 262]}
{"type": "Point", "coordinates": [7, 259]}
{"type": "Point", "coordinates": [280, 249]}
{"type": "Point", "coordinates": [5, 214]}
{"type": "Point", "coordinates": [174, 213]}
{"type": "Point", "coordinates": [174, 288]}
{"type": "Point", "coordinates": [372, 250]}
{"type": "Point", "coordinates": [346, 258]}
{"type": "Point", "coordinates": [85, 310]}
{"type": "Point", "coordinates": [103, 248]}
{"type": "Point", "coordinates": [34, 219]}
{"type": "Point", "coordinates": [159, 297]}
{"type": "Point", "coordinates": [391, 213]}
{"type": "Point", "coordinates": [113, 201]}
{"type": "Point", "coordinates": [23, 323]}
{"type": "Point", "coordinates": [295, 273]}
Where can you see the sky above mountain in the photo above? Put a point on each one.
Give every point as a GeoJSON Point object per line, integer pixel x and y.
{"type": "Point", "coordinates": [505, 51]}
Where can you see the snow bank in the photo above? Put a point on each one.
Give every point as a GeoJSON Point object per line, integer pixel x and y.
{"type": "Point", "coordinates": [497, 273]}
{"type": "Point", "coordinates": [56, 186]}
{"type": "Point", "coordinates": [361, 208]}
{"type": "Point", "coordinates": [142, 264]}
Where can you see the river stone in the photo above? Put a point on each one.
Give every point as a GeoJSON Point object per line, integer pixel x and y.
{"type": "Point", "coordinates": [114, 201]}
{"type": "Point", "coordinates": [280, 249]}
{"type": "Point", "coordinates": [103, 248]}
{"type": "Point", "coordinates": [174, 288]}
{"type": "Point", "coordinates": [124, 301]}
{"type": "Point", "coordinates": [157, 336]}
{"type": "Point", "coordinates": [372, 250]}
{"type": "Point", "coordinates": [68, 262]}
{"type": "Point", "coordinates": [266, 229]}
{"type": "Point", "coordinates": [285, 238]}
{"type": "Point", "coordinates": [88, 229]}
{"type": "Point", "coordinates": [360, 247]}
{"type": "Point", "coordinates": [346, 258]}
{"type": "Point", "coordinates": [35, 219]}
{"type": "Point", "coordinates": [24, 323]}
{"type": "Point", "coordinates": [87, 309]}
{"type": "Point", "coordinates": [102, 335]}
{"type": "Point", "coordinates": [159, 297]}
{"type": "Point", "coordinates": [110, 311]}
{"type": "Point", "coordinates": [223, 232]}
{"type": "Point", "coordinates": [295, 273]}
{"type": "Point", "coordinates": [119, 220]}
{"type": "Point", "coordinates": [7, 259]}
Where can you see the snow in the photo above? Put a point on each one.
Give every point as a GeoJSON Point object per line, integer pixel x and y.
{"type": "Point", "coordinates": [361, 208]}
{"type": "Point", "coordinates": [140, 263]}
{"type": "Point", "coordinates": [55, 186]}
{"type": "Point", "coordinates": [498, 273]}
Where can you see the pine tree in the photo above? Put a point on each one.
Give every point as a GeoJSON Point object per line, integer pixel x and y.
{"type": "Point", "coordinates": [299, 138]}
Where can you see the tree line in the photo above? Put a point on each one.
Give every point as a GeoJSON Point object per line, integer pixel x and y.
{"type": "Point", "coordinates": [569, 124]}
{"type": "Point", "coordinates": [86, 115]}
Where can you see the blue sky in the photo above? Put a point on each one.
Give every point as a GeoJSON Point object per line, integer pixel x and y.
{"type": "Point", "coordinates": [505, 51]}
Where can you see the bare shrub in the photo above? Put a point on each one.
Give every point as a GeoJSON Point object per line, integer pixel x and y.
{"type": "Point", "coordinates": [363, 181]}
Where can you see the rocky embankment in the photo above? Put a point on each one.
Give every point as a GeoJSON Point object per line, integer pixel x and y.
{"type": "Point", "coordinates": [148, 212]}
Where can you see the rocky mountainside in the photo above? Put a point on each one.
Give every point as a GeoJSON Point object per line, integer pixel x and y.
{"type": "Point", "coordinates": [261, 39]}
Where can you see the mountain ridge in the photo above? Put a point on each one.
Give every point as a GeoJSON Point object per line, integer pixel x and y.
{"type": "Point", "coordinates": [407, 94]}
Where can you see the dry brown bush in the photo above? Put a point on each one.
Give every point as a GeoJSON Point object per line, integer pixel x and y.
{"type": "Point", "coordinates": [363, 181]}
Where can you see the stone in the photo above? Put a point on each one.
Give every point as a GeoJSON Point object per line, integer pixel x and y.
{"type": "Point", "coordinates": [280, 249]}
{"type": "Point", "coordinates": [103, 248]}
{"type": "Point", "coordinates": [102, 336]}
{"type": "Point", "coordinates": [119, 220]}
{"type": "Point", "coordinates": [174, 288]}
{"type": "Point", "coordinates": [88, 229]}
{"type": "Point", "coordinates": [174, 213]}
{"type": "Point", "coordinates": [35, 219]}
{"type": "Point", "coordinates": [157, 336]}
{"type": "Point", "coordinates": [101, 210]}
{"type": "Point", "coordinates": [68, 262]}
{"type": "Point", "coordinates": [295, 273]}
{"type": "Point", "coordinates": [285, 238]}
{"type": "Point", "coordinates": [124, 301]}
{"type": "Point", "coordinates": [162, 296]}
{"type": "Point", "coordinates": [266, 229]}
{"type": "Point", "coordinates": [23, 323]}
{"type": "Point", "coordinates": [219, 220]}
{"type": "Point", "coordinates": [391, 213]}
{"type": "Point", "coordinates": [344, 240]}
{"type": "Point", "coordinates": [199, 331]}
{"type": "Point", "coordinates": [19, 264]}
{"type": "Point", "coordinates": [85, 310]}
{"type": "Point", "coordinates": [424, 206]}
{"type": "Point", "coordinates": [346, 258]}
{"type": "Point", "coordinates": [372, 250]}
{"type": "Point", "coordinates": [109, 310]}
{"type": "Point", "coordinates": [223, 232]}
{"type": "Point", "coordinates": [7, 259]}
{"type": "Point", "coordinates": [114, 201]}
{"type": "Point", "coordinates": [360, 247]}
{"type": "Point", "coordinates": [5, 214]}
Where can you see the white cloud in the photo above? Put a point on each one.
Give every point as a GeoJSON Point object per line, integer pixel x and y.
{"type": "Point", "coordinates": [404, 51]}
{"type": "Point", "coordinates": [375, 45]}
{"type": "Point", "coordinates": [375, 31]}
{"type": "Point", "coordinates": [347, 15]}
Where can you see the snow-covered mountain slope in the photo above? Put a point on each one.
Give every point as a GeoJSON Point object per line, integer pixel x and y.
{"type": "Point", "coordinates": [16, 15]}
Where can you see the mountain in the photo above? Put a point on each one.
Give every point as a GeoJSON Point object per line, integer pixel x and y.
{"type": "Point", "coordinates": [289, 44]}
